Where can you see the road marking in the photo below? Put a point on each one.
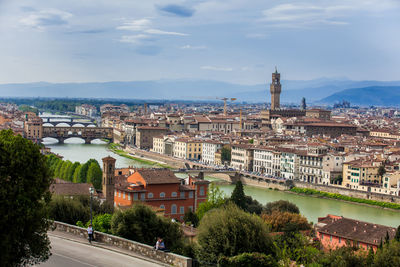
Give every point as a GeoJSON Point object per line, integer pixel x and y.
{"type": "Point", "coordinates": [70, 258]}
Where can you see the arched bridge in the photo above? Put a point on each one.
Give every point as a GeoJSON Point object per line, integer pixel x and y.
{"type": "Point", "coordinates": [87, 133]}
{"type": "Point", "coordinates": [67, 120]}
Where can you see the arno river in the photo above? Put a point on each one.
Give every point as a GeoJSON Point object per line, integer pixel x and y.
{"type": "Point", "coordinates": [310, 207]}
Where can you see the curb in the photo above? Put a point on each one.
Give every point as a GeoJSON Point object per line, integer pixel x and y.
{"type": "Point", "coordinates": [111, 249]}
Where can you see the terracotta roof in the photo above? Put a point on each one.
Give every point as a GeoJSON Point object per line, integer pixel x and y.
{"type": "Point", "coordinates": [71, 189]}
{"type": "Point", "coordinates": [109, 158]}
{"type": "Point", "coordinates": [354, 230]}
{"type": "Point", "coordinates": [156, 176]}
{"type": "Point", "coordinates": [151, 128]}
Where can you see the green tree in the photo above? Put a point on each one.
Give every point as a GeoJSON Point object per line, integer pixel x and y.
{"type": "Point", "coordinates": [397, 236]}
{"type": "Point", "coordinates": [253, 206]}
{"type": "Point", "coordinates": [71, 170]}
{"type": "Point", "coordinates": [279, 220]}
{"type": "Point", "coordinates": [64, 174]}
{"type": "Point", "coordinates": [215, 199]}
{"type": "Point", "coordinates": [24, 192]}
{"type": "Point", "coordinates": [229, 231]}
{"type": "Point", "coordinates": [77, 172]}
{"type": "Point", "coordinates": [140, 223]}
{"type": "Point", "coordinates": [346, 256]}
{"type": "Point", "coordinates": [282, 206]}
{"type": "Point", "coordinates": [94, 175]}
{"type": "Point", "coordinates": [238, 197]}
{"type": "Point", "coordinates": [226, 153]}
{"type": "Point", "coordinates": [101, 223]}
{"type": "Point", "coordinates": [68, 210]}
{"type": "Point", "coordinates": [191, 217]}
{"type": "Point", "coordinates": [57, 169]}
{"type": "Point", "coordinates": [248, 260]}
{"type": "Point", "coordinates": [388, 256]}
{"type": "Point", "coordinates": [381, 171]}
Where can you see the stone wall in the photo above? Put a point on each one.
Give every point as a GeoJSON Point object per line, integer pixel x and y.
{"type": "Point", "coordinates": [349, 192]}
{"type": "Point", "coordinates": [139, 248]}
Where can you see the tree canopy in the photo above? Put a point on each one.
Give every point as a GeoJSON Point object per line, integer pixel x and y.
{"type": "Point", "coordinates": [282, 206]}
{"type": "Point", "coordinates": [229, 231]}
{"type": "Point", "coordinates": [24, 189]}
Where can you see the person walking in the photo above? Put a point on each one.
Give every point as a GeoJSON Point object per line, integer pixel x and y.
{"type": "Point", "coordinates": [90, 233]}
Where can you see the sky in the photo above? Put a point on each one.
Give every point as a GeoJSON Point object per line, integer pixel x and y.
{"type": "Point", "coordinates": [232, 40]}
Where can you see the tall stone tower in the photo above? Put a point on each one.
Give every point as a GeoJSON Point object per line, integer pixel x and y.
{"type": "Point", "coordinates": [108, 178]}
{"type": "Point", "coordinates": [275, 89]}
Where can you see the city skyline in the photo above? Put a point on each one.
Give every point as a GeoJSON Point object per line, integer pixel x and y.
{"type": "Point", "coordinates": [230, 41]}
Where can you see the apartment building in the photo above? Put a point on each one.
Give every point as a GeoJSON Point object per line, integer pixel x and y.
{"type": "Point", "coordinates": [242, 157]}
{"type": "Point", "coordinates": [267, 161]}
{"type": "Point", "coordinates": [289, 165]}
{"type": "Point", "coordinates": [209, 148]}
{"type": "Point", "coordinates": [187, 148]}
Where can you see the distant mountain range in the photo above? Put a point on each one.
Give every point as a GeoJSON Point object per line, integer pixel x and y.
{"type": "Point", "coordinates": [372, 95]}
{"type": "Point", "coordinates": [292, 91]}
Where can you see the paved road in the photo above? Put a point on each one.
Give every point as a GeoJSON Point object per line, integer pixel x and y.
{"type": "Point", "coordinates": [68, 253]}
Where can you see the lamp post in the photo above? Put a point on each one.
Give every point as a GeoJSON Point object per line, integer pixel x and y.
{"type": "Point", "coordinates": [91, 191]}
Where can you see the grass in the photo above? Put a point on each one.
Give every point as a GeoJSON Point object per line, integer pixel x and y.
{"type": "Point", "coordinates": [117, 150]}
{"type": "Point", "coordinates": [307, 191]}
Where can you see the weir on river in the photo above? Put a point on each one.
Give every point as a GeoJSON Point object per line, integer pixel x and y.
{"type": "Point", "coordinates": [310, 207]}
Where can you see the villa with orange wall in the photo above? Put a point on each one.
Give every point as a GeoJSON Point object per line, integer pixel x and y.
{"type": "Point", "coordinates": [159, 188]}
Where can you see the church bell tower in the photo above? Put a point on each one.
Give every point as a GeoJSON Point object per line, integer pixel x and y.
{"type": "Point", "coordinates": [275, 89]}
{"type": "Point", "coordinates": [108, 181]}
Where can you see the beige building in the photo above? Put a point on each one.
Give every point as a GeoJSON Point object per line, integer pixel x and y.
{"type": "Point", "coordinates": [242, 157]}
{"type": "Point", "coordinates": [145, 135]}
{"type": "Point", "coordinates": [186, 148]}
{"type": "Point", "coordinates": [33, 127]}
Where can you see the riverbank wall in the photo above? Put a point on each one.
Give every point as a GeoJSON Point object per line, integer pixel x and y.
{"type": "Point", "coordinates": [349, 192]}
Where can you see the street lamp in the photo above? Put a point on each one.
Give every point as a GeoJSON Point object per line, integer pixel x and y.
{"type": "Point", "coordinates": [91, 191]}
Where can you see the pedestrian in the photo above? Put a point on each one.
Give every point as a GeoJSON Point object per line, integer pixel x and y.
{"type": "Point", "coordinates": [160, 244]}
{"type": "Point", "coordinates": [90, 233]}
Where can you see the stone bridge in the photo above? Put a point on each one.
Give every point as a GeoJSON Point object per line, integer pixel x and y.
{"type": "Point", "coordinates": [87, 133]}
{"type": "Point", "coordinates": [70, 121]}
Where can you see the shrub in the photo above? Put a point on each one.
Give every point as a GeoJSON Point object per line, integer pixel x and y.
{"type": "Point", "coordinates": [282, 206]}
{"type": "Point", "coordinates": [279, 220]}
{"type": "Point", "coordinates": [229, 231]}
{"type": "Point", "coordinates": [141, 224]}
{"type": "Point", "coordinates": [248, 260]}
{"type": "Point", "coordinates": [67, 210]}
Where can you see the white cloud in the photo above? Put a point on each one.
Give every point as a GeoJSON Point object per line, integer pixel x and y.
{"type": "Point", "coordinates": [145, 30]}
{"type": "Point", "coordinates": [306, 14]}
{"type": "Point", "coordinates": [216, 68]}
{"type": "Point", "coordinates": [45, 18]}
{"type": "Point", "coordinates": [191, 47]}
{"type": "Point", "coordinates": [134, 39]}
{"type": "Point", "coordinates": [260, 36]}
{"type": "Point", "coordinates": [135, 25]}
{"type": "Point", "coordinates": [160, 32]}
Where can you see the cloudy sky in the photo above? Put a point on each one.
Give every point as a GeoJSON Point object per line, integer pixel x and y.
{"type": "Point", "coordinates": [231, 40]}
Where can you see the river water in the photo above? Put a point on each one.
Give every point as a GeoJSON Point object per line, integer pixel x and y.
{"type": "Point", "coordinates": [310, 207]}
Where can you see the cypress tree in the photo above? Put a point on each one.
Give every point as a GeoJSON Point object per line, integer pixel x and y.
{"type": "Point", "coordinates": [238, 197]}
{"type": "Point", "coordinates": [397, 236]}
{"type": "Point", "coordinates": [77, 171]}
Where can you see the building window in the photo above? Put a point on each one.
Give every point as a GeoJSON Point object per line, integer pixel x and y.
{"type": "Point", "coordinates": [115, 192]}
{"type": "Point", "coordinates": [182, 210]}
{"type": "Point", "coordinates": [330, 239]}
{"type": "Point", "coordinates": [340, 240]}
{"type": "Point", "coordinates": [182, 194]}
{"type": "Point", "coordinates": [150, 195]}
{"type": "Point", "coordinates": [191, 194]}
{"type": "Point", "coordinates": [322, 236]}
{"type": "Point", "coordinates": [190, 208]}
{"type": "Point", "coordinates": [142, 196]}
{"type": "Point", "coordinates": [173, 209]}
{"type": "Point", "coordinates": [123, 195]}
{"type": "Point", "coordinates": [119, 193]}
{"type": "Point", "coordinates": [162, 194]}
{"type": "Point", "coordinates": [135, 196]}
{"type": "Point", "coordinates": [202, 191]}
{"type": "Point", "coordinates": [162, 207]}
{"type": "Point", "coordinates": [174, 194]}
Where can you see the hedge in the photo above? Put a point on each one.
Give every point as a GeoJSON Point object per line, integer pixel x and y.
{"type": "Point", "coordinates": [308, 191]}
